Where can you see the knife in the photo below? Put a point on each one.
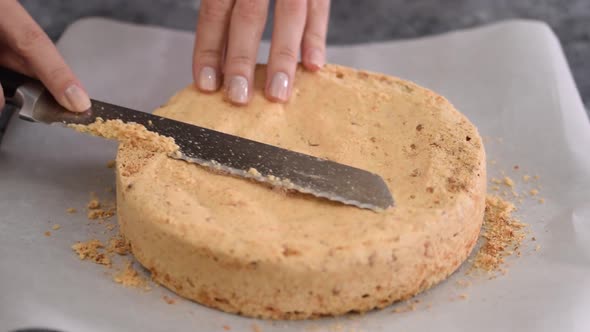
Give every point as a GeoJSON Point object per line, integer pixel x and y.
{"type": "Point", "coordinates": [209, 148]}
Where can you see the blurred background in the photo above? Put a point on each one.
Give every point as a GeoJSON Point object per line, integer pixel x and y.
{"type": "Point", "coordinates": [357, 21]}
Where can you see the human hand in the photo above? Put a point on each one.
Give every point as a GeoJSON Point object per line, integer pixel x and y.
{"type": "Point", "coordinates": [26, 48]}
{"type": "Point", "coordinates": [228, 36]}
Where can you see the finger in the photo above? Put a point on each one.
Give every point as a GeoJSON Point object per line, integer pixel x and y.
{"type": "Point", "coordinates": [247, 23]}
{"type": "Point", "coordinates": [29, 41]}
{"type": "Point", "coordinates": [211, 37]}
{"type": "Point", "coordinates": [11, 60]}
{"type": "Point", "coordinates": [313, 52]}
{"type": "Point", "coordinates": [289, 22]}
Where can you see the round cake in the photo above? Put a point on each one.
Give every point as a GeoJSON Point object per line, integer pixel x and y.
{"type": "Point", "coordinates": [242, 247]}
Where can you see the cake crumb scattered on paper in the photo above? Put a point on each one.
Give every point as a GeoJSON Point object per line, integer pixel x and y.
{"type": "Point", "coordinates": [502, 234]}
{"type": "Point", "coordinates": [56, 227]}
{"type": "Point", "coordinates": [98, 209]}
{"type": "Point", "coordinates": [48, 233]}
{"type": "Point", "coordinates": [119, 245]}
{"type": "Point", "coordinates": [508, 181]}
{"type": "Point", "coordinates": [537, 247]}
{"type": "Point", "coordinates": [92, 250]}
{"type": "Point", "coordinates": [534, 192]}
{"type": "Point", "coordinates": [463, 283]}
{"type": "Point", "coordinates": [129, 277]}
{"type": "Point", "coordinates": [111, 163]}
{"type": "Point", "coordinates": [101, 214]}
{"type": "Point", "coordinates": [526, 178]}
{"type": "Point", "coordinates": [168, 299]}
{"type": "Point", "coordinates": [93, 204]}
{"type": "Point", "coordinates": [541, 200]}
{"type": "Point", "coordinates": [71, 210]}
{"type": "Point", "coordinates": [226, 327]}
{"type": "Point", "coordinates": [411, 306]}
{"type": "Point", "coordinates": [463, 296]}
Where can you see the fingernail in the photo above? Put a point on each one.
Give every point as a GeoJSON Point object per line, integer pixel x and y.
{"type": "Point", "coordinates": [316, 58]}
{"type": "Point", "coordinates": [279, 86]}
{"type": "Point", "coordinates": [208, 79]}
{"type": "Point", "coordinates": [78, 99]}
{"type": "Point", "coordinates": [238, 90]}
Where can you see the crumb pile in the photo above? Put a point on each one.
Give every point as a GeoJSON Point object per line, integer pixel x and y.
{"type": "Point", "coordinates": [132, 134]}
{"type": "Point", "coordinates": [95, 251]}
{"type": "Point", "coordinates": [96, 210]}
{"type": "Point", "coordinates": [92, 250]}
{"type": "Point", "coordinates": [129, 277]}
{"type": "Point", "coordinates": [503, 235]}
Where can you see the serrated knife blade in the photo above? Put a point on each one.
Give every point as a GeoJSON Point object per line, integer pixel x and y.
{"type": "Point", "coordinates": [230, 154]}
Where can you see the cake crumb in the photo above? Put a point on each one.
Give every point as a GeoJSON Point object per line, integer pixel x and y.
{"type": "Point", "coordinates": [541, 200]}
{"type": "Point", "coordinates": [463, 296]}
{"type": "Point", "coordinates": [226, 327]}
{"type": "Point", "coordinates": [508, 181]}
{"type": "Point", "coordinates": [516, 167]}
{"type": "Point", "coordinates": [526, 178]}
{"type": "Point", "coordinates": [111, 163]}
{"type": "Point", "coordinates": [97, 210]}
{"type": "Point", "coordinates": [48, 233]}
{"type": "Point", "coordinates": [56, 227]}
{"type": "Point", "coordinates": [71, 210]}
{"type": "Point", "coordinates": [131, 134]}
{"type": "Point", "coordinates": [463, 283]}
{"type": "Point", "coordinates": [409, 307]}
{"type": "Point", "coordinates": [537, 247]}
{"type": "Point", "coordinates": [168, 300]}
{"type": "Point", "coordinates": [129, 277]}
{"type": "Point", "coordinates": [254, 172]}
{"type": "Point", "coordinates": [502, 232]}
{"type": "Point", "coordinates": [119, 245]}
{"type": "Point", "coordinates": [533, 192]}
{"type": "Point", "coordinates": [536, 177]}
{"type": "Point", "coordinates": [100, 214]}
{"type": "Point", "coordinates": [92, 250]}
{"type": "Point", "coordinates": [93, 204]}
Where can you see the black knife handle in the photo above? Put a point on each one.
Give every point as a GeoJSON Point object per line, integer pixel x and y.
{"type": "Point", "coordinates": [11, 80]}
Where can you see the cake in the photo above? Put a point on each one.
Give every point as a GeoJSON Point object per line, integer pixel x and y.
{"type": "Point", "coordinates": [242, 247]}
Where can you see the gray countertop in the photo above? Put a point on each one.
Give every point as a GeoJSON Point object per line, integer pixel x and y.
{"type": "Point", "coordinates": [353, 21]}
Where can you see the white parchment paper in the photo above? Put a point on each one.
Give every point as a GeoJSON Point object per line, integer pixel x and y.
{"type": "Point", "coordinates": [510, 79]}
